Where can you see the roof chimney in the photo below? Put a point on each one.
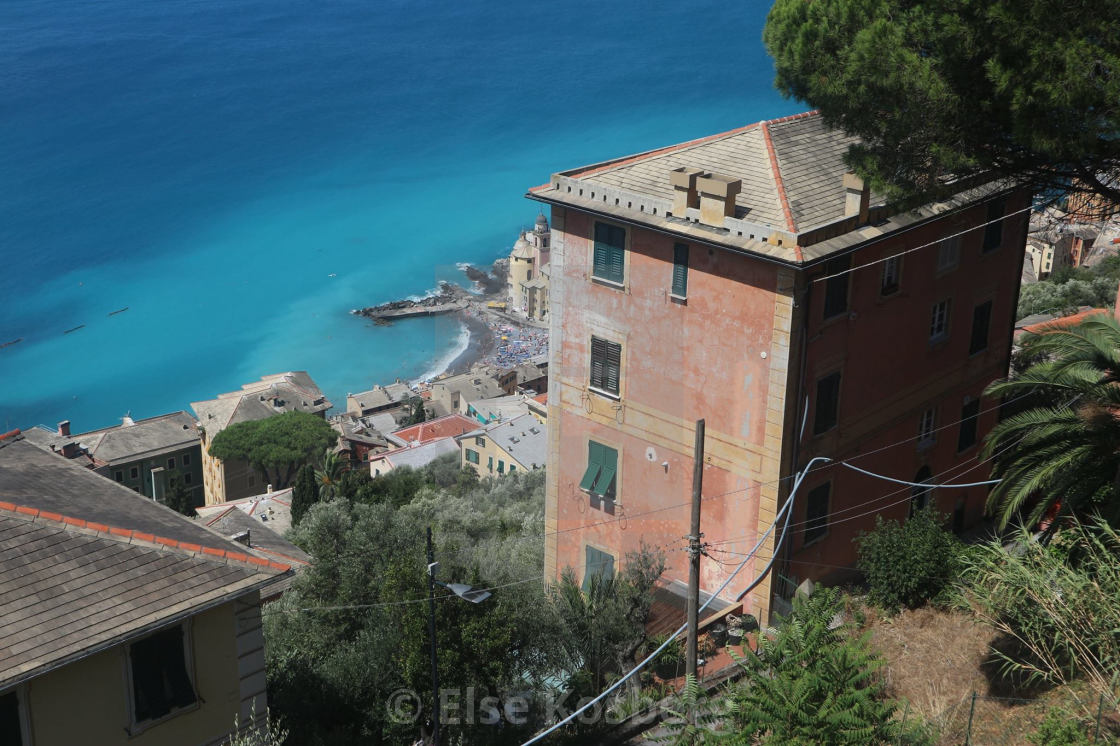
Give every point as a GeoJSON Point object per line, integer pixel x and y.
{"type": "Point", "coordinates": [717, 198]}
{"type": "Point", "coordinates": [685, 195]}
{"type": "Point", "coordinates": [857, 197]}
{"type": "Point", "coordinates": [64, 428]}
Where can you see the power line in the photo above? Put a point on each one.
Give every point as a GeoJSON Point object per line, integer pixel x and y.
{"type": "Point", "coordinates": [758, 579]}
{"type": "Point", "coordinates": [909, 251]}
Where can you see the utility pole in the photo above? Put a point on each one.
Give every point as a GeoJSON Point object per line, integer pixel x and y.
{"type": "Point", "coordinates": [694, 551]}
{"type": "Point", "coordinates": [432, 637]}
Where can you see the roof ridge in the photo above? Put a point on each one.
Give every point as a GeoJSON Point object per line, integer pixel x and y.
{"type": "Point", "coordinates": [792, 117]}
{"type": "Point", "coordinates": [779, 183]}
{"type": "Point", "coordinates": [131, 536]}
{"type": "Point", "coordinates": [595, 169]}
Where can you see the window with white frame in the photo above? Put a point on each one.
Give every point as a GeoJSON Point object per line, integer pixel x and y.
{"type": "Point", "coordinates": [948, 254]}
{"type": "Point", "coordinates": [939, 321]}
{"type": "Point", "coordinates": [927, 426]}
{"type": "Point", "coordinates": [891, 272]}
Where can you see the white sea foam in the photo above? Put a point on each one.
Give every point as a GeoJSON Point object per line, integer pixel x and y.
{"type": "Point", "coordinates": [442, 363]}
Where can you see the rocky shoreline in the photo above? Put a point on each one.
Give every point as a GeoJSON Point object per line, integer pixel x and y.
{"type": "Point", "coordinates": [493, 331]}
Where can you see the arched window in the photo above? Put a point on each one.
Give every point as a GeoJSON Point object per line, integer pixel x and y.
{"type": "Point", "coordinates": [919, 496]}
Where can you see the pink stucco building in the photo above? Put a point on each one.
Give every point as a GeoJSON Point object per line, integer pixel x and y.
{"type": "Point", "coordinates": [747, 278]}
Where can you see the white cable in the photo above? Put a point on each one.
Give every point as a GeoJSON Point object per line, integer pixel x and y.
{"type": "Point", "coordinates": [682, 628]}
{"type": "Point", "coordinates": [909, 251]}
{"type": "Point", "coordinates": [918, 484]}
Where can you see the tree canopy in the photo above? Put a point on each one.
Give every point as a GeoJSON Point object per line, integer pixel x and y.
{"type": "Point", "coordinates": [277, 446]}
{"type": "Point", "coordinates": [1021, 88]}
{"type": "Point", "coordinates": [1063, 451]}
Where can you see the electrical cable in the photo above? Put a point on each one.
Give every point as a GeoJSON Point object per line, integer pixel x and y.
{"type": "Point", "coordinates": [785, 509]}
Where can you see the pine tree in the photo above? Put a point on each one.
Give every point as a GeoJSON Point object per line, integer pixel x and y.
{"type": "Point", "coordinates": [812, 683]}
{"type": "Point", "coordinates": [304, 494]}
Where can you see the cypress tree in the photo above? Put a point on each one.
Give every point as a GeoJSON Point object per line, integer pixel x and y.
{"type": "Point", "coordinates": [304, 494]}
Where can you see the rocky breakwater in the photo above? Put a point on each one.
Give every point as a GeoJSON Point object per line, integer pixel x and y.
{"type": "Point", "coordinates": [448, 298]}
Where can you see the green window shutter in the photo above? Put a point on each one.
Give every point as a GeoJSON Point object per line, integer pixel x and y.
{"type": "Point", "coordinates": [501, 466]}
{"type": "Point", "coordinates": [472, 456]}
{"type": "Point", "coordinates": [490, 463]}
{"type": "Point", "coordinates": [594, 461]}
{"type": "Point", "coordinates": [598, 363]}
{"type": "Point", "coordinates": [680, 270]}
{"type": "Point", "coordinates": [596, 564]}
{"type": "Point", "coordinates": [613, 366]}
{"type": "Point", "coordinates": [512, 468]}
{"type": "Point", "coordinates": [604, 484]}
{"type": "Point", "coordinates": [610, 253]}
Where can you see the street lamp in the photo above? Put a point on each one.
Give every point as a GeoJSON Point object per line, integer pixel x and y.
{"type": "Point", "coordinates": [464, 592]}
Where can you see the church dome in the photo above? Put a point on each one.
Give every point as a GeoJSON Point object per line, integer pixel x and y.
{"type": "Point", "coordinates": [522, 249]}
{"type": "Point", "coordinates": [542, 223]}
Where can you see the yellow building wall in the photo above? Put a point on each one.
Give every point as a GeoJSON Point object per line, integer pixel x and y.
{"type": "Point", "coordinates": [485, 453]}
{"type": "Point", "coordinates": [87, 702]}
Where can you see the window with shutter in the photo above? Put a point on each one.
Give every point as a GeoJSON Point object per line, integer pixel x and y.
{"type": "Point", "coordinates": [981, 323]}
{"type": "Point", "coordinates": [597, 564]}
{"type": "Point", "coordinates": [680, 270]}
{"type": "Point", "coordinates": [827, 404]}
{"type": "Point", "coordinates": [816, 513]}
{"type": "Point", "coordinates": [836, 288]}
{"type": "Point", "coordinates": [993, 231]}
{"type": "Point", "coordinates": [606, 365]}
{"type": "Point", "coordinates": [970, 418]}
{"type": "Point", "coordinates": [609, 260]}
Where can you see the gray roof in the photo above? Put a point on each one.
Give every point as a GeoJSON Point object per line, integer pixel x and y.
{"type": "Point", "coordinates": [792, 173]}
{"type": "Point", "coordinates": [264, 535]}
{"type": "Point", "coordinates": [380, 396]}
{"type": "Point", "coordinates": [523, 438]}
{"type": "Point", "coordinates": [500, 407]}
{"type": "Point", "coordinates": [139, 439]}
{"type": "Point", "coordinates": [480, 383]}
{"type": "Point", "coordinates": [86, 564]}
{"type": "Point", "coordinates": [273, 394]}
{"type": "Point", "coordinates": [418, 456]}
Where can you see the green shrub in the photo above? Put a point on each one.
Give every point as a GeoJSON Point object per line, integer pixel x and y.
{"type": "Point", "coordinates": [908, 564]}
{"type": "Point", "coordinates": [1060, 728]}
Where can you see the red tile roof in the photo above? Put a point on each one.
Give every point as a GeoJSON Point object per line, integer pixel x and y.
{"type": "Point", "coordinates": [1065, 322]}
{"type": "Point", "coordinates": [437, 429]}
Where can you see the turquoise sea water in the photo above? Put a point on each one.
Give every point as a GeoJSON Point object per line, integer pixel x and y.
{"type": "Point", "coordinates": [242, 173]}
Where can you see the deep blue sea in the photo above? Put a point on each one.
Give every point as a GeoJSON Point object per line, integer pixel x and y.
{"type": "Point", "coordinates": [242, 173]}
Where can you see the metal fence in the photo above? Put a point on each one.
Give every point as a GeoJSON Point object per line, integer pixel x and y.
{"type": "Point", "coordinates": [980, 720]}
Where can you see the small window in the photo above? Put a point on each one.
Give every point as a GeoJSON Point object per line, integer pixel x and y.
{"type": "Point", "coordinates": [939, 321]}
{"type": "Point", "coordinates": [602, 467]}
{"type": "Point", "coordinates": [981, 323]}
{"type": "Point", "coordinates": [596, 565]}
{"type": "Point", "coordinates": [680, 270]}
{"type": "Point", "coordinates": [827, 403]}
{"type": "Point", "coordinates": [134, 472]}
{"type": "Point", "coordinates": [11, 719]}
{"type": "Point", "coordinates": [816, 513]}
{"type": "Point", "coordinates": [970, 419]}
{"type": "Point", "coordinates": [609, 259]}
{"type": "Point", "coordinates": [472, 456]}
{"type": "Point", "coordinates": [160, 676]}
{"type": "Point", "coordinates": [479, 440]}
{"type": "Point", "coordinates": [512, 468]}
{"type": "Point", "coordinates": [501, 466]}
{"type": "Point", "coordinates": [927, 426]}
{"type": "Point", "coordinates": [891, 269]}
{"type": "Point", "coordinates": [490, 464]}
{"type": "Point", "coordinates": [948, 254]}
{"type": "Point", "coordinates": [993, 231]}
{"type": "Point", "coordinates": [836, 288]}
{"type": "Point", "coordinates": [187, 478]}
{"type": "Point", "coordinates": [920, 493]}
{"type": "Point", "coordinates": [186, 459]}
{"type": "Point", "coordinates": [606, 363]}
{"type": "Point", "coordinates": [171, 463]}
{"type": "Point", "coordinates": [118, 475]}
